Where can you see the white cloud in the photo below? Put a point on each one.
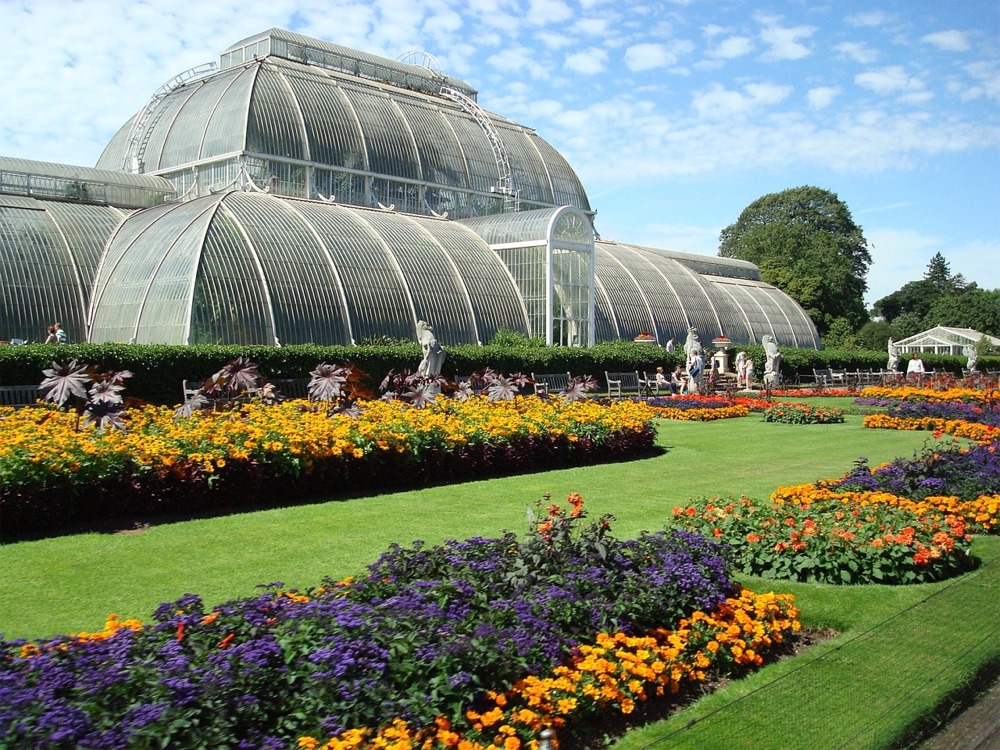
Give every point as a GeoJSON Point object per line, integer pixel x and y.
{"type": "Point", "coordinates": [588, 62]}
{"type": "Point", "coordinates": [718, 102]}
{"type": "Point", "coordinates": [857, 51]}
{"type": "Point", "coordinates": [949, 41]}
{"type": "Point", "coordinates": [553, 39]}
{"type": "Point", "coordinates": [731, 48]}
{"type": "Point", "coordinates": [647, 56]}
{"type": "Point", "coordinates": [783, 41]}
{"type": "Point", "coordinates": [986, 74]}
{"type": "Point", "coordinates": [822, 97]}
{"type": "Point", "coordinates": [592, 26]}
{"type": "Point", "coordinates": [713, 30]}
{"type": "Point", "coordinates": [514, 59]}
{"type": "Point", "coordinates": [889, 80]}
{"type": "Point", "coordinates": [546, 12]}
{"type": "Point", "coordinates": [868, 19]}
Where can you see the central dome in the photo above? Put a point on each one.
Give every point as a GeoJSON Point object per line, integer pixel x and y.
{"type": "Point", "coordinates": [303, 118]}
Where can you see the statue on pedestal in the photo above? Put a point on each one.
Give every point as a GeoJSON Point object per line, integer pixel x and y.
{"type": "Point", "coordinates": [893, 365]}
{"type": "Point", "coordinates": [694, 360]}
{"type": "Point", "coordinates": [973, 357]}
{"type": "Point", "coordinates": [434, 354]}
{"type": "Point", "coordinates": [772, 367]}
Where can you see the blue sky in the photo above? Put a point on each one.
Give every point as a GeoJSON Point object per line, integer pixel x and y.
{"type": "Point", "coordinates": [676, 114]}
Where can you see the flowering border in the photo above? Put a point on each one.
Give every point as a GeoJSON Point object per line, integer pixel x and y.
{"type": "Point", "coordinates": [616, 672]}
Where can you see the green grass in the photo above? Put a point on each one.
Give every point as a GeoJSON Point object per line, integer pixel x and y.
{"type": "Point", "coordinates": [70, 583]}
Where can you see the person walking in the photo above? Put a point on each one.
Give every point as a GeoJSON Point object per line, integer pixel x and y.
{"type": "Point", "coordinates": [61, 336]}
{"type": "Point", "coordinates": [51, 338]}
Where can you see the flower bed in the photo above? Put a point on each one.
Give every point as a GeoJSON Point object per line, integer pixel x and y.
{"type": "Point", "coordinates": [981, 433]}
{"type": "Point", "coordinates": [697, 408]}
{"type": "Point", "coordinates": [803, 414]}
{"type": "Point", "coordinates": [50, 471]}
{"type": "Point", "coordinates": [947, 480]}
{"type": "Point", "coordinates": [912, 393]}
{"type": "Point", "coordinates": [824, 539]}
{"type": "Point", "coordinates": [445, 640]}
{"type": "Point", "coordinates": [615, 673]}
{"type": "Point", "coordinates": [958, 411]}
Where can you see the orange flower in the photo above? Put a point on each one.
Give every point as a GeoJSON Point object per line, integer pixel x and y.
{"type": "Point", "coordinates": [226, 641]}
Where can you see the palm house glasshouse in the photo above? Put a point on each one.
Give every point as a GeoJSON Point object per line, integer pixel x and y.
{"type": "Point", "coordinates": [300, 191]}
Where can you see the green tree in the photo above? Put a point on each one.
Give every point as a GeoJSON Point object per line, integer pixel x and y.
{"type": "Point", "coordinates": [840, 335]}
{"type": "Point", "coordinates": [975, 308]}
{"type": "Point", "coordinates": [918, 297]}
{"type": "Point", "coordinates": [875, 335]}
{"type": "Point", "coordinates": [805, 243]}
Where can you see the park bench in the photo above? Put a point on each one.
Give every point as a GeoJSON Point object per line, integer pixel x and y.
{"type": "Point", "coordinates": [551, 382]}
{"type": "Point", "coordinates": [622, 383]}
{"type": "Point", "coordinates": [19, 395]}
{"type": "Point", "coordinates": [649, 385]}
{"type": "Point", "coordinates": [292, 387]}
{"type": "Point", "coordinates": [822, 376]}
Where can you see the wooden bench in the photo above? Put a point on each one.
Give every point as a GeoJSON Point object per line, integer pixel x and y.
{"type": "Point", "coordinates": [622, 383]}
{"type": "Point", "coordinates": [292, 387]}
{"type": "Point", "coordinates": [553, 382]}
{"type": "Point", "coordinates": [822, 377]}
{"type": "Point", "coordinates": [19, 395]}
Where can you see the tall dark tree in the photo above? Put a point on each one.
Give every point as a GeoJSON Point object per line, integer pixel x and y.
{"type": "Point", "coordinates": [975, 308]}
{"type": "Point", "coordinates": [918, 297]}
{"type": "Point", "coordinates": [806, 244]}
{"type": "Point", "coordinates": [940, 277]}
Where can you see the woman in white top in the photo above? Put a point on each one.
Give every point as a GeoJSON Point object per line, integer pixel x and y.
{"type": "Point", "coordinates": [915, 367]}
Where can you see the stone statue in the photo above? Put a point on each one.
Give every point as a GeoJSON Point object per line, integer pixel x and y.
{"type": "Point", "coordinates": [434, 353]}
{"type": "Point", "coordinates": [694, 360]}
{"type": "Point", "coordinates": [772, 367]}
{"type": "Point", "coordinates": [893, 356]}
{"type": "Point", "coordinates": [973, 357]}
{"type": "Point", "coordinates": [692, 345]}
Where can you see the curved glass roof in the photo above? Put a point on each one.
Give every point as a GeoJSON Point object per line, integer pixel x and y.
{"type": "Point", "coordinates": [288, 44]}
{"type": "Point", "coordinates": [49, 252]}
{"type": "Point", "coordinates": [250, 268]}
{"type": "Point", "coordinates": [648, 290]}
{"type": "Point", "coordinates": [49, 180]}
{"type": "Point", "coordinates": [306, 117]}
{"type": "Point", "coordinates": [312, 131]}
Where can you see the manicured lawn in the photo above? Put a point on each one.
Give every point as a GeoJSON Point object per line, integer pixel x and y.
{"type": "Point", "coordinates": [71, 583]}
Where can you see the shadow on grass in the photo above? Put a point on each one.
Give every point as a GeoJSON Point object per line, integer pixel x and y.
{"type": "Point", "coordinates": [254, 492]}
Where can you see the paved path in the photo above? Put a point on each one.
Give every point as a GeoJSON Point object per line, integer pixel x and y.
{"type": "Point", "coordinates": [976, 728]}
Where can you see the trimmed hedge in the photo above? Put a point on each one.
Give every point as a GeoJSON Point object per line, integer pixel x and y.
{"type": "Point", "coordinates": [158, 369]}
